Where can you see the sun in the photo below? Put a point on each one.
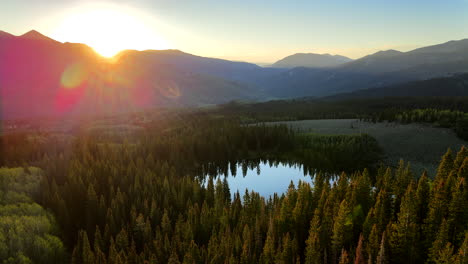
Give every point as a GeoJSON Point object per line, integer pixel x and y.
{"type": "Point", "coordinates": [109, 30]}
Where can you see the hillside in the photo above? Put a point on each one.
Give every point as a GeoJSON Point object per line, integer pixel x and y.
{"type": "Point", "coordinates": [381, 69]}
{"type": "Point", "coordinates": [456, 85]}
{"type": "Point", "coordinates": [40, 76]}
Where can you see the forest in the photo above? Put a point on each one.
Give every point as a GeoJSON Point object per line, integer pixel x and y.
{"type": "Point", "coordinates": [456, 120]}
{"type": "Point", "coordinates": [150, 196]}
{"type": "Point", "coordinates": [443, 111]}
{"type": "Point", "coordinates": [330, 108]}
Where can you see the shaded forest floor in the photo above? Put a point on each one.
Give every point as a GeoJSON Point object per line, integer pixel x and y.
{"type": "Point", "coordinates": [421, 145]}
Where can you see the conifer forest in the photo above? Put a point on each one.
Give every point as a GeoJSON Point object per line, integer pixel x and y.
{"type": "Point", "coordinates": [153, 195]}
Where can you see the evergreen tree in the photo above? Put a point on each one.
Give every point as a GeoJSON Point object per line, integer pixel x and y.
{"type": "Point", "coordinates": [359, 258]}
{"type": "Point", "coordinates": [314, 247]}
{"type": "Point", "coordinates": [382, 256]}
{"type": "Point", "coordinates": [341, 228]}
{"type": "Point", "coordinates": [404, 236]}
{"type": "Point", "coordinates": [82, 253]}
{"type": "Point", "coordinates": [440, 247]}
{"type": "Point", "coordinates": [373, 244]}
{"type": "Point", "coordinates": [445, 167]}
{"type": "Point", "coordinates": [462, 255]}
{"type": "Point", "coordinates": [457, 215]}
{"type": "Point", "coordinates": [344, 257]}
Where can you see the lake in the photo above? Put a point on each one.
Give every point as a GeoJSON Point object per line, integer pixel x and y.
{"type": "Point", "coordinates": [270, 180]}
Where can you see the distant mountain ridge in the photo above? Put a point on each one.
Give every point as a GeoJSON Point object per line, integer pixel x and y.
{"type": "Point", "coordinates": [41, 76]}
{"type": "Point", "coordinates": [380, 69]}
{"type": "Point", "coordinates": [230, 70]}
{"type": "Point", "coordinates": [311, 60]}
{"type": "Point", "coordinates": [392, 60]}
{"type": "Point", "coordinates": [33, 34]}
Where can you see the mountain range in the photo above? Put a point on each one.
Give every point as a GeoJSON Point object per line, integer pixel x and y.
{"type": "Point", "coordinates": [311, 60]}
{"type": "Point", "coordinates": [41, 76]}
{"type": "Point", "coordinates": [380, 69]}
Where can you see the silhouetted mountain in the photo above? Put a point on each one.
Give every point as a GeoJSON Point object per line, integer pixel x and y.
{"type": "Point", "coordinates": [456, 85]}
{"type": "Point", "coordinates": [311, 60]}
{"type": "Point", "coordinates": [381, 69]}
{"type": "Point", "coordinates": [40, 76]}
{"type": "Point", "coordinates": [33, 34]}
{"type": "Point", "coordinates": [4, 34]}
{"type": "Point", "coordinates": [234, 71]}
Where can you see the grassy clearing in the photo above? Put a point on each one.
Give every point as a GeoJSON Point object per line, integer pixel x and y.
{"type": "Point", "coordinates": [421, 145]}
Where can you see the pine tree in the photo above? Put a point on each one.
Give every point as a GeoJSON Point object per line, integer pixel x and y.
{"type": "Point", "coordinates": [445, 167]}
{"type": "Point", "coordinates": [422, 197]}
{"type": "Point", "coordinates": [463, 171]}
{"type": "Point", "coordinates": [173, 259]}
{"type": "Point", "coordinates": [92, 206]}
{"type": "Point", "coordinates": [382, 211]}
{"type": "Point", "coordinates": [457, 215]}
{"type": "Point", "coordinates": [382, 256]}
{"type": "Point", "coordinates": [344, 257]}
{"type": "Point", "coordinates": [404, 235]}
{"type": "Point", "coordinates": [359, 258]}
{"type": "Point", "coordinates": [341, 228]}
{"type": "Point", "coordinates": [268, 255]}
{"type": "Point", "coordinates": [445, 255]}
{"type": "Point", "coordinates": [166, 226]}
{"type": "Point", "coordinates": [462, 255]}
{"type": "Point", "coordinates": [403, 177]}
{"type": "Point", "coordinates": [373, 244]}
{"type": "Point", "coordinates": [113, 254]}
{"type": "Point", "coordinates": [82, 253]}
{"type": "Point", "coordinates": [122, 241]}
{"type": "Point", "coordinates": [461, 156]}
{"type": "Point", "coordinates": [210, 192]}
{"type": "Point", "coordinates": [287, 254]}
{"type": "Point", "coordinates": [98, 242]}
{"type": "Point", "coordinates": [246, 246]}
{"type": "Point", "coordinates": [438, 206]}
{"type": "Point", "coordinates": [440, 243]}
{"type": "Point", "coordinates": [313, 246]}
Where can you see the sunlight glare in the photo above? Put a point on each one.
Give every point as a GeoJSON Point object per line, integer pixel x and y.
{"type": "Point", "coordinates": [108, 30]}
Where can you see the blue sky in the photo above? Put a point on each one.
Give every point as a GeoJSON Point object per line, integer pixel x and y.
{"type": "Point", "coordinates": [265, 31]}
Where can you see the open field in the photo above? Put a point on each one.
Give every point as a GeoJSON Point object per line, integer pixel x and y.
{"type": "Point", "coordinates": [421, 145]}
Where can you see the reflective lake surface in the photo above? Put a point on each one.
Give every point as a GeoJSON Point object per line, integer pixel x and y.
{"type": "Point", "coordinates": [267, 180]}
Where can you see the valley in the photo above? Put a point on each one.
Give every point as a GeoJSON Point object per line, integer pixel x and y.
{"type": "Point", "coordinates": [133, 148]}
{"type": "Point", "coordinates": [408, 142]}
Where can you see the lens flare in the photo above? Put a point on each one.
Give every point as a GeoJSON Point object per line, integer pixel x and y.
{"type": "Point", "coordinates": [74, 75]}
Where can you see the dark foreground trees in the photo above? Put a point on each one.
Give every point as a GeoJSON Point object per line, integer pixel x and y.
{"type": "Point", "coordinates": [154, 198]}
{"type": "Point", "coordinates": [133, 203]}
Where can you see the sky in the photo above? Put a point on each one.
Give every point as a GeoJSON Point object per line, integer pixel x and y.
{"type": "Point", "coordinates": [260, 31]}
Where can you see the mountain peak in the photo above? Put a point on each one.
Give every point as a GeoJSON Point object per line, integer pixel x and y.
{"type": "Point", "coordinates": [311, 60]}
{"type": "Point", "coordinates": [387, 53]}
{"type": "Point", "coordinates": [5, 34]}
{"type": "Point", "coordinates": [33, 34]}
